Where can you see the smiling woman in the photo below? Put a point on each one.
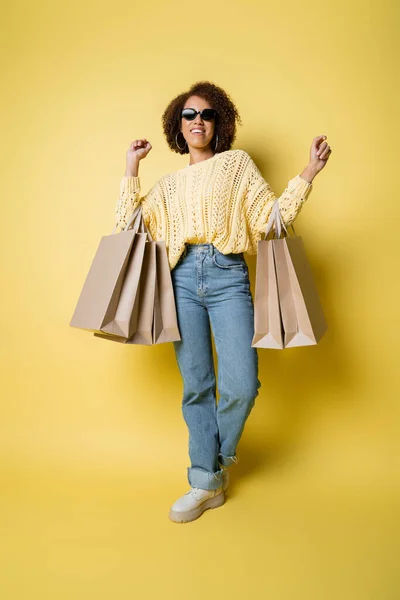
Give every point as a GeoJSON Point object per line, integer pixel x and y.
{"type": "Point", "coordinates": [209, 213]}
{"type": "Point", "coordinates": [199, 129]}
{"type": "Point", "coordinates": [205, 107]}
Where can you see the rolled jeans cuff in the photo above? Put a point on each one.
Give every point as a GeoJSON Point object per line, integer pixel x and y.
{"type": "Point", "coordinates": [203, 479]}
{"type": "Point", "coordinates": [226, 461]}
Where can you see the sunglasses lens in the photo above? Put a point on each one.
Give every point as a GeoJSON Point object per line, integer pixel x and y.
{"type": "Point", "coordinates": [208, 114]}
{"type": "Point", "coordinates": [188, 114]}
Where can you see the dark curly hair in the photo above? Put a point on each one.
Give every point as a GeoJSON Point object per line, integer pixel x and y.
{"type": "Point", "coordinates": [225, 123]}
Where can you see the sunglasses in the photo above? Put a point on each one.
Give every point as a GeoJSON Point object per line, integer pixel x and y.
{"type": "Point", "coordinates": [207, 113]}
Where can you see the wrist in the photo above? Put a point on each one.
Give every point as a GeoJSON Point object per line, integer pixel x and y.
{"type": "Point", "coordinates": [132, 170]}
{"type": "Point", "coordinates": [309, 172]}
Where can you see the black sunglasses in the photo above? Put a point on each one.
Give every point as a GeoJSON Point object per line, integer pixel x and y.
{"type": "Point", "coordinates": [207, 113]}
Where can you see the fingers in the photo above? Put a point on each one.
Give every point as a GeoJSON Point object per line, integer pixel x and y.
{"type": "Point", "coordinates": [325, 153]}
{"type": "Point", "coordinates": [323, 147]}
{"type": "Point", "coordinates": [323, 150]}
{"type": "Point", "coordinates": [139, 143]}
{"type": "Point", "coordinates": [317, 140]}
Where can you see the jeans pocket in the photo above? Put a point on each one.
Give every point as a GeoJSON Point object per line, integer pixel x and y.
{"type": "Point", "coordinates": [228, 261]}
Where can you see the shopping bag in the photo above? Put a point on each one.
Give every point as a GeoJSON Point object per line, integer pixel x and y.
{"type": "Point", "coordinates": [148, 283]}
{"type": "Point", "coordinates": [157, 318]}
{"type": "Point", "coordinates": [126, 316]}
{"type": "Point", "coordinates": [302, 316]}
{"type": "Point", "coordinates": [267, 317]}
{"type": "Point", "coordinates": [143, 333]}
{"type": "Point", "coordinates": [99, 299]}
{"type": "Point", "coordinates": [166, 321]}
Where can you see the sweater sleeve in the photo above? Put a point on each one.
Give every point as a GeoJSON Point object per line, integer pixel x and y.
{"type": "Point", "coordinates": [130, 198]}
{"type": "Point", "coordinates": [259, 199]}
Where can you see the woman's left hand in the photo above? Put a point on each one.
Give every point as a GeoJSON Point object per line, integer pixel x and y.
{"type": "Point", "coordinates": [319, 153]}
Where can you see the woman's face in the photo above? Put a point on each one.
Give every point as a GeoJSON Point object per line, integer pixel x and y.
{"type": "Point", "coordinates": [193, 139]}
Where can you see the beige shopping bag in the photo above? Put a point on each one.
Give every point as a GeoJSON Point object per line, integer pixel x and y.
{"type": "Point", "coordinates": [125, 321]}
{"type": "Point", "coordinates": [166, 322]}
{"type": "Point", "coordinates": [143, 333]}
{"type": "Point", "coordinates": [267, 317]}
{"type": "Point", "coordinates": [99, 299]}
{"type": "Point", "coordinates": [302, 316]}
{"type": "Point", "coordinates": [148, 283]}
{"type": "Point", "coordinates": [157, 318]}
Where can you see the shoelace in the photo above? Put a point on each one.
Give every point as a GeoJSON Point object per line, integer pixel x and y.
{"type": "Point", "coordinates": [193, 491]}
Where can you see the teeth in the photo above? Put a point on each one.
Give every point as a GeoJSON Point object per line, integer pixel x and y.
{"type": "Point", "coordinates": [197, 131]}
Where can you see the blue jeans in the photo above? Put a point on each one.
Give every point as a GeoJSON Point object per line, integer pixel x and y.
{"type": "Point", "coordinates": [213, 289]}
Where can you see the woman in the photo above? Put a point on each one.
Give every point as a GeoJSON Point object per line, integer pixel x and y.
{"type": "Point", "coordinates": [209, 213]}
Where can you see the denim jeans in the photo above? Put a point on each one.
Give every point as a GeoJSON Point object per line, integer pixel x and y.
{"type": "Point", "coordinates": [212, 294]}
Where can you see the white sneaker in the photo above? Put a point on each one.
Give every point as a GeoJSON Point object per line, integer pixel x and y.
{"type": "Point", "coordinates": [192, 504]}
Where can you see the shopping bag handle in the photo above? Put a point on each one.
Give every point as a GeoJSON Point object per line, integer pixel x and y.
{"type": "Point", "coordinates": [137, 222]}
{"type": "Point", "coordinates": [142, 226]}
{"type": "Point", "coordinates": [275, 218]}
{"type": "Point", "coordinates": [132, 219]}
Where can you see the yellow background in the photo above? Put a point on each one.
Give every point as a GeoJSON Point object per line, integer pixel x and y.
{"type": "Point", "coordinates": [93, 445]}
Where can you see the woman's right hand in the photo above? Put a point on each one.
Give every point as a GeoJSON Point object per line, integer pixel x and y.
{"type": "Point", "coordinates": [137, 150]}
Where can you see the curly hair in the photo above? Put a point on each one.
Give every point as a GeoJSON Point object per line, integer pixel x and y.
{"type": "Point", "coordinates": [225, 123]}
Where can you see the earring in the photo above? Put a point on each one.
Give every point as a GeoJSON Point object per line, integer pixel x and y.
{"type": "Point", "coordinates": [176, 141]}
{"type": "Point", "coordinates": [216, 143]}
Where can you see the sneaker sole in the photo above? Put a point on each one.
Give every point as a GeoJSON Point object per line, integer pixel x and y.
{"type": "Point", "coordinates": [195, 513]}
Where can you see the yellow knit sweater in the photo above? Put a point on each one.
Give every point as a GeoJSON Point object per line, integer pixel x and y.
{"type": "Point", "coordinates": [223, 200]}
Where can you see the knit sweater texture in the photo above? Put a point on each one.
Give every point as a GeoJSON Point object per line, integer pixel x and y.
{"type": "Point", "coordinates": [223, 200]}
